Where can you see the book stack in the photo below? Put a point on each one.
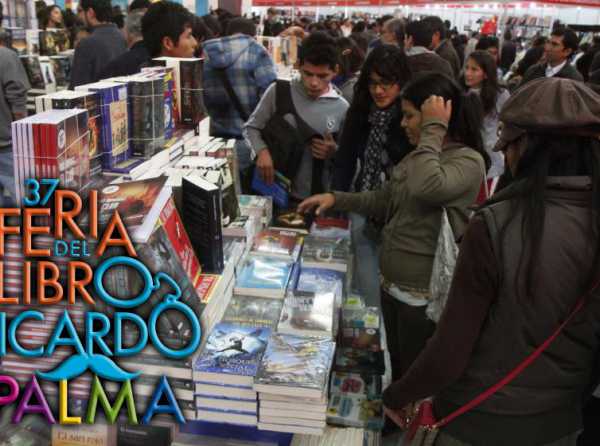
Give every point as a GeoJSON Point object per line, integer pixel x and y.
{"type": "Point", "coordinates": [144, 434]}
{"type": "Point", "coordinates": [201, 201]}
{"type": "Point", "coordinates": [84, 435]}
{"type": "Point", "coordinates": [334, 436]}
{"type": "Point", "coordinates": [66, 99]}
{"type": "Point", "coordinates": [245, 227]}
{"type": "Point", "coordinates": [114, 132]}
{"type": "Point", "coordinates": [224, 374]}
{"type": "Point", "coordinates": [148, 210]}
{"type": "Point", "coordinates": [146, 107]}
{"type": "Point", "coordinates": [264, 276]}
{"type": "Point", "coordinates": [53, 144]}
{"type": "Point", "coordinates": [188, 87]}
{"type": "Point", "coordinates": [292, 384]}
{"type": "Point", "coordinates": [326, 253]}
{"type": "Point", "coordinates": [278, 243]}
{"type": "Point", "coordinates": [171, 111]}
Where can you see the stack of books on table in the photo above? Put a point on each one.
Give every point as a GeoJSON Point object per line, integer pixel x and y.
{"type": "Point", "coordinates": [292, 384]}
{"type": "Point", "coordinates": [278, 243]}
{"type": "Point", "coordinates": [326, 253]}
{"type": "Point", "coordinates": [224, 374]}
{"type": "Point", "coordinates": [257, 206]}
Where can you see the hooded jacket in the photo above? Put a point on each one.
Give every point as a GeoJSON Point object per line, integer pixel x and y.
{"type": "Point", "coordinates": [250, 71]}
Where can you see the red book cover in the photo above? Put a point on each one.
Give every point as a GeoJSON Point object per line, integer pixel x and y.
{"type": "Point", "coordinates": [171, 222]}
{"type": "Point", "coordinates": [205, 287]}
{"type": "Point", "coordinates": [328, 222]}
{"type": "Point", "coordinates": [277, 242]}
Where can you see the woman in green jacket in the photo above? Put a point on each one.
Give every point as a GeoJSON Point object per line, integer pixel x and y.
{"type": "Point", "coordinates": [444, 171]}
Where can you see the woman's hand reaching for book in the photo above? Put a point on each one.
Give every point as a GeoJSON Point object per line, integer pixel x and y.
{"type": "Point", "coordinates": [321, 201]}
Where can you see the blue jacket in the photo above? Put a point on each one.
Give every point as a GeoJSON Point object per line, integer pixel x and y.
{"type": "Point", "coordinates": [250, 71]}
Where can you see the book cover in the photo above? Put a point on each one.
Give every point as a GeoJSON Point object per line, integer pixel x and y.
{"type": "Point", "coordinates": [134, 200]}
{"type": "Point", "coordinates": [34, 72]}
{"type": "Point", "coordinates": [253, 311]}
{"type": "Point", "coordinates": [354, 384]}
{"type": "Point", "coordinates": [263, 276]}
{"type": "Point", "coordinates": [279, 190]}
{"type": "Point", "coordinates": [231, 355]}
{"type": "Point", "coordinates": [325, 252]}
{"type": "Point", "coordinates": [321, 280]}
{"type": "Point", "coordinates": [280, 243]}
{"type": "Point", "coordinates": [307, 314]}
{"type": "Point", "coordinates": [143, 435]}
{"type": "Point", "coordinates": [296, 362]}
{"type": "Point", "coordinates": [359, 361]}
{"type": "Point", "coordinates": [290, 219]}
{"type": "Point", "coordinates": [83, 435]}
{"type": "Point", "coordinates": [353, 411]}
{"type": "Point", "coordinates": [192, 99]}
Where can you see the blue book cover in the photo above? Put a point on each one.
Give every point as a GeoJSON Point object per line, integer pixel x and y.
{"type": "Point", "coordinates": [264, 273]}
{"type": "Point", "coordinates": [279, 190]}
{"type": "Point", "coordinates": [115, 125]}
{"type": "Point", "coordinates": [231, 350]}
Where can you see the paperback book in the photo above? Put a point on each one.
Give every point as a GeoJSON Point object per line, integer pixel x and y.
{"type": "Point", "coordinates": [263, 276]}
{"type": "Point", "coordinates": [231, 355]}
{"type": "Point", "coordinates": [307, 314]}
{"type": "Point", "coordinates": [295, 366]}
{"type": "Point", "coordinates": [359, 361]}
{"type": "Point", "coordinates": [354, 384]}
{"type": "Point", "coordinates": [345, 410]}
{"type": "Point", "coordinates": [253, 311]}
{"type": "Point", "coordinates": [326, 253]}
{"type": "Point", "coordinates": [278, 243]}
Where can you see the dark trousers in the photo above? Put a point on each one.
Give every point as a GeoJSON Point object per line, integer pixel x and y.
{"type": "Point", "coordinates": [407, 330]}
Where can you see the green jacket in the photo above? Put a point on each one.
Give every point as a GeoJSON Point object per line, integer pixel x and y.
{"type": "Point", "coordinates": [410, 204]}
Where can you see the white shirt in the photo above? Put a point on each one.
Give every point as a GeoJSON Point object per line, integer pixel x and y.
{"type": "Point", "coordinates": [553, 71]}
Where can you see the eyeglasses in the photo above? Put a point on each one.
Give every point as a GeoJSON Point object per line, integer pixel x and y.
{"type": "Point", "coordinates": [384, 85]}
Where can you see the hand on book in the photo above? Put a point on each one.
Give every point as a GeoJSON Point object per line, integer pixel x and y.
{"type": "Point", "coordinates": [322, 202]}
{"type": "Point", "coordinates": [264, 164]}
{"type": "Point", "coordinates": [323, 148]}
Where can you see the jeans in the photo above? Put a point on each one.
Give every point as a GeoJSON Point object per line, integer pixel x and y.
{"type": "Point", "coordinates": [7, 179]}
{"type": "Point", "coordinates": [366, 262]}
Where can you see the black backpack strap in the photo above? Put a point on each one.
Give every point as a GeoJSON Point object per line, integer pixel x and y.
{"type": "Point", "coordinates": [222, 74]}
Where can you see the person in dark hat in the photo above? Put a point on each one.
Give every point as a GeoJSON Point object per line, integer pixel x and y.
{"type": "Point", "coordinates": [529, 255]}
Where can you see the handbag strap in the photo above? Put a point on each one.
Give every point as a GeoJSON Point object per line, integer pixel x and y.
{"type": "Point", "coordinates": [521, 367]}
{"type": "Point", "coordinates": [222, 74]}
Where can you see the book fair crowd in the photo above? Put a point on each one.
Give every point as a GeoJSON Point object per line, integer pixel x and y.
{"type": "Point", "coordinates": [468, 166]}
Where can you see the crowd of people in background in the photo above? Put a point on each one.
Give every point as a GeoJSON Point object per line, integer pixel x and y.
{"type": "Point", "coordinates": [402, 124]}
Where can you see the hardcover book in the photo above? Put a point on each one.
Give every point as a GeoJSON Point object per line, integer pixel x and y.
{"type": "Point", "coordinates": [253, 311]}
{"type": "Point", "coordinates": [231, 355]}
{"type": "Point", "coordinates": [295, 366]}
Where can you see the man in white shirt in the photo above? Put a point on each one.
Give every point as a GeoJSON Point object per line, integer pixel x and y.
{"type": "Point", "coordinates": [559, 49]}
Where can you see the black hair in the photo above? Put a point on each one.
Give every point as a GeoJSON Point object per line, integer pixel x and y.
{"type": "Point", "coordinates": [119, 20]}
{"type": "Point", "coordinates": [489, 87]}
{"type": "Point", "coordinates": [532, 57]}
{"type": "Point", "coordinates": [384, 18]}
{"type": "Point", "coordinates": [319, 49]}
{"type": "Point", "coordinates": [436, 25]}
{"type": "Point", "coordinates": [570, 39]}
{"type": "Point", "coordinates": [316, 27]}
{"type": "Point", "coordinates": [546, 155]}
{"type": "Point", "coordinates": [164, 19]}
{"type": "Point", "coordinates": [361, 41]}
{"type": "Point", "coordinates": [139, 4]}
{"type": "Point", "coordinates": [213, 24]}
{"type": "Point", "coordinates": [487, 42]}
{"type": "Point", "coordinates": [200, 31]}
{"type": "Point", "coordinates": [351, 57]}
{"type": "Point", "coordinates": [49, 13]}
{"type": "Point", "coordinates": [466, 119]}
{"type": "Point", "coordinates": [391, 64]}
{"type": "Point", "coordinates": [102, 8]}
{"type": "Point", "coordinates": [359, 27]}
{"type": "Point", "coordinates": [242, 26]}
{"type": "Point", "coordinates": [421, 33]}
